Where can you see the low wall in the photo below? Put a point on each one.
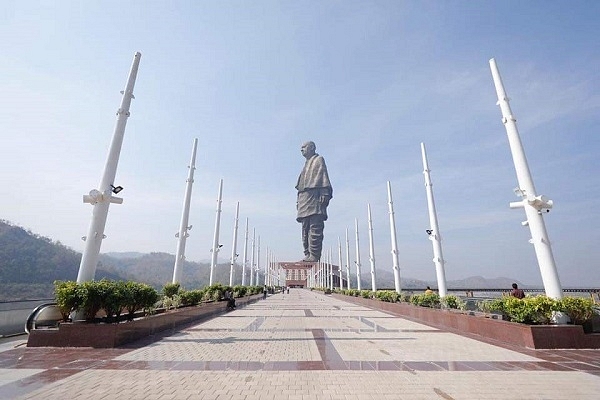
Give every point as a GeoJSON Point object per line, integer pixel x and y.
{"type": "Point", "coordinates": [530, 336]}
{"type": "Point", "coordinates": [103, 335]}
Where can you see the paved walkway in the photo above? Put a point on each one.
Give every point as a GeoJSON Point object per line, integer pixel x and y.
{"type": "Point", "coordinates": [299, 346]}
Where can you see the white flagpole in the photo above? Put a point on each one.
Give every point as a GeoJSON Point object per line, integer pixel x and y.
{"type": "Point", "coordinates": [371, 250]}
{"type": "Point", "coordinates": [216, 246]}
{"type": "Point", "coordinates": [183, 234]}
{"type": "Point", "coordinates": [396, 264]}
{"type": "Point", "coordinates": [434, 232]}
{"type": "Point", "coordinates": [533, 204]}
{"type": "Point", "coordinates": [257, 260]}
{"type": "Point", "coordinates": [102, 197]}
{"type": "Point", "coordinates": [340, 263]}
{"type": "Point", "coordinates": [347, 260]}
{"type": "Point", "coordinates": [234, 254]}
{"type": "Point", "coordinates": [245, 256]}
{"type": "Point", "coordinates": [357, 256]}
{"type": "Point", "coordinates": [252, 257]}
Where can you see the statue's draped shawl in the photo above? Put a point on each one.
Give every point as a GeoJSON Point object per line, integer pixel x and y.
{"type": "Point", "coordinates": [314, 175]}
{"type": "Point", "coordinates": [313, 183]}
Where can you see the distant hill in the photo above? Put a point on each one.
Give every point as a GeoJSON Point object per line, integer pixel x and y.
{"type": "Point", "coordinates": [128, 254]}
{"type": "Point", "coordinates": [30, 263]}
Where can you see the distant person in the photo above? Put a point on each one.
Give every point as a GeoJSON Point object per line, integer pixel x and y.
{"type": "Point", "coordinates": [516, 292]}
{"type": "Point", "coordinates": [428, 290]}
{"type": "Point", "coordinates": [265, 292]}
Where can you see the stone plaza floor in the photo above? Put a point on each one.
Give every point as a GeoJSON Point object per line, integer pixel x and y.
{"type": "Point", "coordinates": [298, 346]}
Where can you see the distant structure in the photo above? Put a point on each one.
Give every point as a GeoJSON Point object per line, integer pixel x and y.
{"type": "Point", "coordinates": [302, 274]}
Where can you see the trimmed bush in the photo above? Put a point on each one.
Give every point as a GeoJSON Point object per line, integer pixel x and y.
{"type": "Point", "coordinates": [453, 302]}
{"type": "Point", "coordinates": [171, 289]}
{"type": "Point", "coordinates": [191, 297]}
{"type": "Point", "coordinates": [68, 298]}
{"type": "Point", "coordinates": [387, 295]}
{"type": "Point", "coordinates": [579, 309]}
{"type": "Point", "coordinates": [431, 300]}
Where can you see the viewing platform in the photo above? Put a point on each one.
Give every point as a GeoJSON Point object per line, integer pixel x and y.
{"type": "Point", "coordinates": [299, 346]}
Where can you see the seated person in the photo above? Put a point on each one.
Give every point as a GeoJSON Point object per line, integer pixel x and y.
{"type": "Point", "coordinates": [230, 299]}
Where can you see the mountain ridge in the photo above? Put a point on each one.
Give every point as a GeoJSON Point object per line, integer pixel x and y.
{"type": "Point", "coordinates": [28, 260]}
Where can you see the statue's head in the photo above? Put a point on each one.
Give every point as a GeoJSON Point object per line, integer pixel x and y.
{"type": "Point", "coordinates": [308, 149]}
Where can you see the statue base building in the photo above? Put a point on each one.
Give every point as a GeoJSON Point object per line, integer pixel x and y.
{"type": "Point", "coordinates": [302, 274]}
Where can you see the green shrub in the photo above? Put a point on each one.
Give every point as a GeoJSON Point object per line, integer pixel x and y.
{"type": "Point", "coordinates": [387, 295]}
{"type": "Point", "coordinates": [139, 296]}
{"type": "Point", "coordinates": [431, 300]}
{"type": "Point", "coordinates": [191, 297]}
{"type": "Point", "coordinates": [239, 291]}
{"type": "Point", "coordinates": [113, 298]}
{"type": "Point", "coordinates": [533, 310]}
{"type": "Point", "coordinates": [453, 302]}
{"type": "Point", "coordinates": [148, 297]}
{"type": "Point", "coordinates": [171, 289]}
{"type": "Point", "coordinates": [579, 309]}
{"type": "Point", "coordinates": [92, 293]}
{"type": "Point", "coordinates": [495, 305]}
{"type": "Point", "coordinates": [68, 298]}
{"type": "Point", "coordinates": [214, 292]}
{"type": "Point", "coordinates": [404, 297]}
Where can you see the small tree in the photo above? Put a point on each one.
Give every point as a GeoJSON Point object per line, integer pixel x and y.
{"type": "Point", "coordinates": [171, 289]}
{"type": "Point", "coordinates": [67, 297]}
{"type": "Point", "coordinates": [93, 296]}
{"type": "Point", "coordinates": [113, 299]}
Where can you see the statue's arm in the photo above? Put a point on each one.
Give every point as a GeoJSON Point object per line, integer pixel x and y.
{"type": "Point", "coordinates": [325, 196]}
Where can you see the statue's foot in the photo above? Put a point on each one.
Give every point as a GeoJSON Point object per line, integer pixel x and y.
{"type": "Point", "coordinates": [310, 258]}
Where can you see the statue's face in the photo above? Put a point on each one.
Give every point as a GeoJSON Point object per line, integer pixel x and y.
{"type": "Point", "coordinates": [308, 149]}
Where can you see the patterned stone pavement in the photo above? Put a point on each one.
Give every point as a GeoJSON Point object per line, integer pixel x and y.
{"type": "Point", "coordinates": [303, 345]}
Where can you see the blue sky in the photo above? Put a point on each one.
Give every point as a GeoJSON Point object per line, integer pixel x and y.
{"type": "Point", "coordinates": [367, 81]}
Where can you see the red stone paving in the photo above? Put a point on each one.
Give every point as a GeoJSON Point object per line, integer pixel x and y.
{"type": "Point", "coordinates": [59, 363]}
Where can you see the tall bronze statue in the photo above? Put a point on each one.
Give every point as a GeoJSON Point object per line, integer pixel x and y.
{"type": "Point", "coordinates": [314, 193]}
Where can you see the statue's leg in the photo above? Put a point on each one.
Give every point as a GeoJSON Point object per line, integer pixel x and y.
{"type": "Point", "coordinates": [317, 224]}
{"type": "Point", "coordinates": [305, 233]}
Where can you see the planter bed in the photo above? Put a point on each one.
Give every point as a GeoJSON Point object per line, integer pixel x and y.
{"type": "Point", "coordinates": [107, 335]}
{"type": "Point", "coordinates": [530, 336]}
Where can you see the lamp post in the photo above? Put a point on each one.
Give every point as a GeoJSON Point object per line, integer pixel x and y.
{"type": "Point", "coordinates": [252, 257]}
{"type": "Point", "coordinates": [245, 256]}
{"type": "Point", "coordinates": [216, 247]}
{"type": "Point", "coordinates": [234, 254]}
{"type": "Point", "coordinates": [257, 260]}
{"type": "Point", "coordinates": [357, 256]}
{"type": "Point", "coordinates": [434, 231]}
{"type": "Point", "coordinates": [533, 204]}
{"type": "Point", "coordinates": [102, 197]}
{"type": "Point", "coordinates": [371, 250]}
{"type": "Point", "coordinates": [393, 238]}
{"type": "Point", "coordinates": [340, 263]}
{"type": "Point", "coordinates": [347, 260]}
{"type": "Point", "coordinates": [183, 234]}
{"type": "Point", "coordinates": [331, 273]}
